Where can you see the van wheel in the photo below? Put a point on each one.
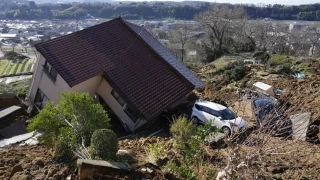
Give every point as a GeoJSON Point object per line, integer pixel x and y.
{"type": "Point", "coordinates": [195, 120]}
{"type": "Point", "coordinates": [226, 130]}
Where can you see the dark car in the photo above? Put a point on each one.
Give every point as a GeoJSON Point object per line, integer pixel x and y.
{"type": "Point", "coordinates": [269, 119]}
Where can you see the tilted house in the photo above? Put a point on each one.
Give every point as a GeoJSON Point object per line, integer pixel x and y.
{"type": "Point", "coordinates": [117, 61]}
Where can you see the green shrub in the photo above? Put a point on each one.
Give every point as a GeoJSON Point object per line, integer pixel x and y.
{"type": "Point", "coordinates": [279, 60]}
{"type": "Point", "coordinates": [14, 56]}
{"type": "Point", "coordinates": [283, 69]}
{"type": "Point", "coordinates": [104, 144]}
{"type": "Point", "coordinates": [155, 151]}
{"type": "Point", "coordinates": [83, 113]}
{"type": "Point", "coordinates": [182, 130]}
{"type": "Point", "coordinates": [83, 116]}
{"type": "Point", "coordinates": [21, 91]}
{"type": "Point", "coordinates": [63, 152]}
{"type": "Point", "coordinates": [47, 121]}
{"type": "Point", "coordinates": [66, 142]}
{"type": "Point", "coordinates": [303, 67]}
{"type": "Point", "coordinates": [264, 56]}
{"type": "Point", "coordinates": [235, 71]}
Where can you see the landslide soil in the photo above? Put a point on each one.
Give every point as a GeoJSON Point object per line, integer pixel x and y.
{"type": "Point", "coordinates": [30, 162]}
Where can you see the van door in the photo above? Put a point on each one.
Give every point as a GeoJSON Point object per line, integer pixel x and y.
{"type": "Point", "coordinates": [219, 123]}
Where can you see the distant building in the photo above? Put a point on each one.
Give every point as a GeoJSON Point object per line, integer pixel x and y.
{"type": "Point", "coordinates": [297, 26]}
{"type": "Point", "coordinates": [10, 36]}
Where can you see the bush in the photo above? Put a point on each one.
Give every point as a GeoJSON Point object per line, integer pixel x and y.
{"type": "Point", "coordinates": [279, 60]}
{"type": "Point", "coordinates": [83, 116]}
{"type": "Point", "coordinates": [155, 151]}
{"type": "Point", "coordinates": [104, 144]}
{"type": "Point", "coordinates": [303, 67]}
{"type": "Point", "coordinates": [14, 56]}
{"type": "Point", "coordinates": [63, 152]}
{"type": "Point", "coordinates": [262, 55]}
{"type": "Point", "coordinates": [235, 71]}
{"type": "Point", "coordinates": [21, 91]}
{"type": "Point", "coordinates": [182, 130]}
{"type": "Point", "coordinates": [284, 69]}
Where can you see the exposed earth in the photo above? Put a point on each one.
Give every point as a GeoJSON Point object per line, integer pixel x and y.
{"type": "Point", "coordinates": [31, 162]}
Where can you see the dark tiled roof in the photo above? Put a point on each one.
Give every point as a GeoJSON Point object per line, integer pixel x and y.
{"type": "Point", "coordinates": [144, 79]}
{"type": "Point", "coordinates": [166, 55]}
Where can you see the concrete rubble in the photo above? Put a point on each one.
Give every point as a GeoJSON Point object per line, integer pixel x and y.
{"type": "Point", "coordinates": [89, 168]}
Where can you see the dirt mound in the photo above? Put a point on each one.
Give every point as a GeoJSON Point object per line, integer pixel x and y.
{"type": "Point", "coordinates": [301, 92]}
{"type": "Point", "coordinates": [30, 162]}
{"type": "Point", "coordinates": [282, 159]}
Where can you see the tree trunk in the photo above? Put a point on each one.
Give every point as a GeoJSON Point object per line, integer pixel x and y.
{"type": "Point", "coordinates": [182, 55]}
{"type": "Point", "coordinates": [312, 49]}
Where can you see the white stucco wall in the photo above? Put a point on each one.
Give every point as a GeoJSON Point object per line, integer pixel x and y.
{"type": "Point", "coordinates": [41, 80]}
{"type": "Point", "coordinates": [91, 85]}
{"type": "Point", "coordinates": [53, 89]}
{"type": "Point", "coordinates": [104, 91]}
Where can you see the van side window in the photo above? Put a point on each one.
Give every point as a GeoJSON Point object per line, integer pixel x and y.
{"type": "Point", "coordinates": [197, 106]}
{"type": "Point", "coordinates": [215, 113]}
{"type": "Point", "coordinates": [206, 109]}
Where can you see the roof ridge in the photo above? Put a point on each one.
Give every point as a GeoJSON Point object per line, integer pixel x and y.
{"type": "Point", "coordinates": [155, 52]}
{"type": "Point", "coordinates": [76, 32]}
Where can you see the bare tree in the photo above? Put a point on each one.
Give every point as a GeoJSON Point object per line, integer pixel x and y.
{"type": "Point", "coordinates": [13, 45]}
{"type": "Point", "coordinates": [180, 36]}
{"type": "Point", "coordinates": [261, 30]}
{"type": "Point", "coordinates": [313, 35]}
{"type": "Point", "coordinates": [299, 43]}
{"type": "Point", "coordinates": [221, 22]}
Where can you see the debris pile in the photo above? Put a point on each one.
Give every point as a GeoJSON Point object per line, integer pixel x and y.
{"type": "Point", "coordinates": [304, 93]}
{"type": "Point", "coordinates": [30, 162]}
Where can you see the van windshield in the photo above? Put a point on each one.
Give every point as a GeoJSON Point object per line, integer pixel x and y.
{"type": "Point", "coordinates": [227, 114]}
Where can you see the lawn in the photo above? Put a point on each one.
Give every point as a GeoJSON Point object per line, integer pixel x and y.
{"type": "Point", "coordinates": [8, 67]}
{"type": "Point", "coordinates": [3, 66]}
{"type": "Point", "coordinates": [22, 66]}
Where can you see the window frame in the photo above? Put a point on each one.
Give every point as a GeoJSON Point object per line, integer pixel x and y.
{"type": "Point", "coordinates": [42, 98]}
{"type": "Point", "coordinates": [133, 115]}
{"type": "Point", "coordinates": [50, 71]}
{"type": "Point", "coordinates": [118, 98]}
{"type": "Point", "coordinates": [215, 113]}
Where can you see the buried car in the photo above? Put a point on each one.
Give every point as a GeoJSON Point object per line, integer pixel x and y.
{"type": "Point", "coordinates": [221, 116]}
{"type": "Point", "coordinates": [269, 119]}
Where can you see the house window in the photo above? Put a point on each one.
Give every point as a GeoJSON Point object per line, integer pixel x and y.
{"type": "Point", "coordinates": [50, 71]}
{"type": "Point", "coordinates": [118, 98]}
{"type": "Point", "coordinates": [134, 117]}
{"type": "Point", "coordinates": [41, 99]}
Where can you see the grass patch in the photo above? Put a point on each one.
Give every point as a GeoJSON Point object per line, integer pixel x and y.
{"type": "Point", "coordinates": [276, 60]}
{"type": "Point", "coordinates": [21, 66]}
{"type": "Point", "coordinates": [26, 65]}
{"type": "Point", "coordinates": [3, 66]}
{"type": "Point", "coordinates": [14, 68]}
{"type": "Point", "coordinates": [303, 67]}
{"type": "Point", "coordinates": [9, 68]}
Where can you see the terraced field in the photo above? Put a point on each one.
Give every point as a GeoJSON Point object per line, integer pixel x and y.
{"type": "Point", "coordinates": [14, 67]}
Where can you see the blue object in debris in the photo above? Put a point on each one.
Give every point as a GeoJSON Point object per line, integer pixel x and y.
{"type": "Point", "coordinates": [299, 75]}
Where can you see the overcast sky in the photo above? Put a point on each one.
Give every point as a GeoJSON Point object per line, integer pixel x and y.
{"type": "Point", "coordinates": [287, 2]}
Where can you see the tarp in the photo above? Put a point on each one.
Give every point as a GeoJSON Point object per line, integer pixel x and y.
{"type": "Point", "coordinates": [23, 139]}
